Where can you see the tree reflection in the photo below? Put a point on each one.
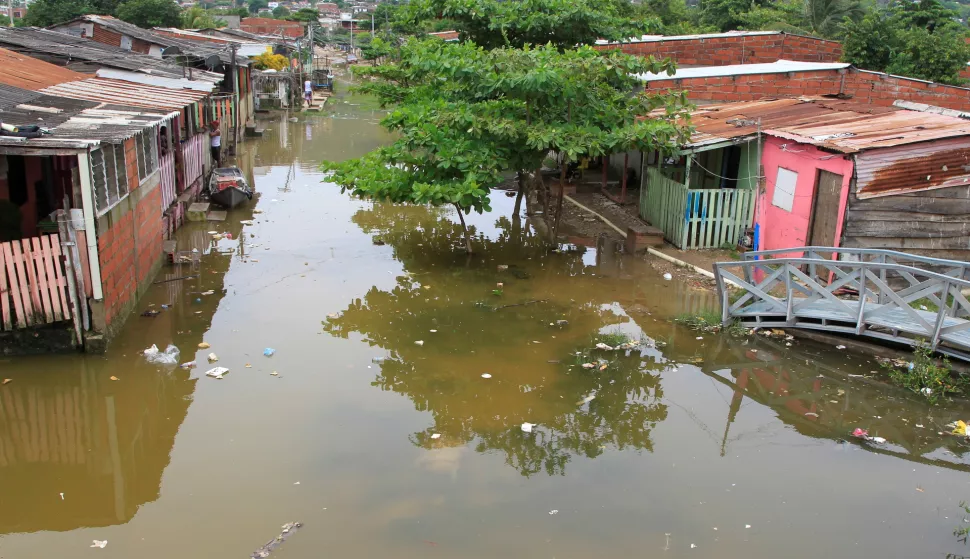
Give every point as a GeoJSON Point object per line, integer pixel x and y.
{"type": "Point", "coordinates": [446, 301]}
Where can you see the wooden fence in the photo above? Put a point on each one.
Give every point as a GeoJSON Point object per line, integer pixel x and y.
{"type": "Point", "coordinates": [33, 283]}
{"type": "Point", "coordinates": [166, 169]}
{"type": "Point", "coordinates": [193, 158]}
{"type": "Point", "coordinates": [695, 218]}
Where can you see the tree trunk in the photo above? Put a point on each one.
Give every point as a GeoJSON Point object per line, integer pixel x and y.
{"type": "Point", "coordinates": [518, 197]}
{"type": "Point", "coordinates": [464, 227]}
{"type": "Point", "coordinates": [562, 191]}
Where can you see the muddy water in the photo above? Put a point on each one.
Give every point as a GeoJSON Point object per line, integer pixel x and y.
{"type": "Point", "coordinates": [383, 447]}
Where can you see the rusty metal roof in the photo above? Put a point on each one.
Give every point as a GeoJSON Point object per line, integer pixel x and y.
{"type": "Point", "coordinates": [913, 168]}
{"type": "Point", "coordinates": [25, 72]}
{"type": "Point", "coordinates": [127, 93]}
{"type": "Point", "coordinates": [835, 125]}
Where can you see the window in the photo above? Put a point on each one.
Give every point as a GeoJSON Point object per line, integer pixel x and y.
{"type": "Point", "coordinates": [108, 177]}
{"type": "Point", "coordinates": [784, 196]}
{"type": "Point", "coordinates": [146, 151]}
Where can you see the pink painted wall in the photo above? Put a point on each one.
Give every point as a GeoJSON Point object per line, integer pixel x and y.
{"type": "Point", "coordinates": [779, 228]}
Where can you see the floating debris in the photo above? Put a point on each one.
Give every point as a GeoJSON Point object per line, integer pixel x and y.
{"type": "Point", "coordinates": [436, 436]}
{"type": "Point", "coordinates": [270, 546]}
{"type": "Point", "coordinates": [7, 380]}
{"type": "Point", "coordinates": [668, 277]}
{"type": "Point", "coordinates": [486, 375]}
{"type": "Point", "coordinates": [204, 345]}
{"type": "Point", "coordinates": [419, 342]}
{"type": "Point", "coordinates": [602, 346]}
{"type": "Point", "coordinates": [113, 378]}
{"type": "Point", "coordinates": [212, 358]}
{"type": "Point", "coordinates": [99, 543]}
{"type": "Point", "coordinates": [527, 427]}
{"type": "Point", "coordinates": [217, 372]}
{"type": "Point", "coordinates": [554, 511]}
{"type": "Point", "coordinates": [188, 365]}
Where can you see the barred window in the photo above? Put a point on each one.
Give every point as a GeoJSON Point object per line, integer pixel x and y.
{"type": "Point", "coordinates": [108, 177]}
{"type": "Point", "coordinates": [146, 148]}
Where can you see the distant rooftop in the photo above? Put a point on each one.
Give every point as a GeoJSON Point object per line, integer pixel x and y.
{"type": "Point", "coordinates": [663, 38]}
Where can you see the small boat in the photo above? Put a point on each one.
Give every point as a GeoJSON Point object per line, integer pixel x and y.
{"type": "Point", "coordinates": [228, 187]}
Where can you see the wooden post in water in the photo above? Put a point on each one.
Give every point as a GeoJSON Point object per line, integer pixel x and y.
{"type": "Point", "coordinates": [62, 227]}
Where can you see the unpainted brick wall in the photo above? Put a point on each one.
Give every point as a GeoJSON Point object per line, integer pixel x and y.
{"type": "Point", "coordinates": [132, 244]}
{"type": "Point", "coordinates": [865, 87]}
{"type": "Point", "coordinates": [109, 37]}
{"type": "Point", "coordinates": [745, 49]}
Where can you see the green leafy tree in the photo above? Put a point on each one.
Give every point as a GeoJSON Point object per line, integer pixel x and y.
{"type": "Point", "coordinates": [726, 15]}
{"type": "Point", "coordinates": [280, 12]}
{"type": "Point", "coordinates": [920, 40]}
{"type": "Point", "coordinates": [304, 14]}
{"type": "Point", "coordinates": [563, 23]}
{"type": "Point", "coordinates": [464, 115]}
{"type": "Point", "coordinates": [150, 13]}
{"type": "Point", "coordinates": [197, 18]}
{"type": "Point", "coordinates": [674, 16]}
{"type": "Point", "coordinates": [256, 5]}
{"type": "Point", "coordinates": [825, 17]}
{"type": "Point", "coordinates": [43, 13]}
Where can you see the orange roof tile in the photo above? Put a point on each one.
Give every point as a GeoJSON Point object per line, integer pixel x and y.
{"type": "Point", "coordinates": [33, 74]}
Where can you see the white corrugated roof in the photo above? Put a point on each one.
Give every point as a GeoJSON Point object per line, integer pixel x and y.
{"type": "Point", "coordinates": [778, 67]}
{"type": "Point", "coordinates": [659, 38]}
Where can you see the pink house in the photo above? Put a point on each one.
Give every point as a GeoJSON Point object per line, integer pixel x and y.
{"type": "Point", "coordinates": [804, 196]}
{"type": "Point", "coordinates": [788, 173]}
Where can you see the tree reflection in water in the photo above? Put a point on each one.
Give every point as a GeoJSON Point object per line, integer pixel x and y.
{"type": "Point", "coordinates": [446, 300]}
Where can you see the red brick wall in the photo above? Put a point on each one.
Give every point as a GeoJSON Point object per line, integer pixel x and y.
{"type": "Point", "coordinates": [865, 87]}
{"type": "Point", "coordinates": [109, 37]}
{"type": "Point", "coordinates": [745, 49]}
{"type": "Point", "coordinates": [131, 244]}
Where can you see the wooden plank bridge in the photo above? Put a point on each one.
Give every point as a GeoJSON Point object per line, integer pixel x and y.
{"type": "Point", "coordinates": [882, 294]}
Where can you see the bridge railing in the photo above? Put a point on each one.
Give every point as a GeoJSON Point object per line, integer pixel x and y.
{"type": "Point", "coordinates": [862, 297]}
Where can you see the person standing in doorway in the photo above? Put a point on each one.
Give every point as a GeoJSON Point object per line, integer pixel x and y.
{"type": "Point", "coordinates": [215, 143]}
{"type": "Point", "coordinates": [308, 93]}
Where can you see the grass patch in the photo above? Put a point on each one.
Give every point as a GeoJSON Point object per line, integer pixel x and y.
{"type": "Point", "coordinates": [709, 321]}
{"type": "Point", "coordinates": [925, 375]}
{"type": "Point", "coordinates": [612, 339]}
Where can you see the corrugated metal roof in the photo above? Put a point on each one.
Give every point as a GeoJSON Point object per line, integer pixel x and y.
{"type": "Point", "coordinates": [33, 41]}
{"type": "Point", "coordinates": [72, 122]}
{"type": "Point", "coordinates": [194, 48]}
{"type": "Point", "coordinates": [841, 126]}
{"type": "Point", "coordinates": [913, 168]}
{"type": "Point", "coordinates": [24, 72]}
{"type": "Point", "coordinates": [777, 67]}
{"type": "Point", "coordinates": [127, 93]}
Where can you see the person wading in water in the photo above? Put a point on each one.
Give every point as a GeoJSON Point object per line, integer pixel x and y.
{"type": "Point", "coordinates": [215, 143]}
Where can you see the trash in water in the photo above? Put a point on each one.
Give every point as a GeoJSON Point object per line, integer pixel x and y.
{"type": "Point", "coordinates": [959, 428]}
{"type": "Point", "coordinates": [257, 211]}
{"type": "Point", "coordinates": [747, 526]}
{"type": "Point", "coordinates": [860, 433]}
{"type": "Point", "coordinates": [217, 237]}
{"type": "Point", "coordinates": [150, 313]}
{"type": "Point", "coordinates": [377, 359]}
{"type": "Point", "coordinates": [811, 414]}
{"type": "Point", "coordinates": [270, 546]}
{"type": "Point", "coordinates": [7, 380]}
{"type": "Point", "coordinates": [275, 374]}
{"type": "Point", "coordinates": [62, 496]}
{"type": "Point", "coordinates": [554, 511]}
{"type": "Point", "coordinates": [693, 546]}
{"type": "Point", "coordinates": [561, 323]}
{"type": "Point", "coordinates": [840, 392]}
{"type": "Point", "coordinates": [206, 293]}
{"type": "Point", "coordinates": [503, 267]}
{"type": "Point", "coordinates": [249, 365]}
{"type": "Point", "coordinates": [332, 315]}
{"type": "Point", "coordinates": [212, 232]}
{"type": "Point", "coordinates": [188, 365]}
{"type": "Point", "coordinates": [486, 375]}
{"type": "Point", "coordinates": [268, 352]}
{"type": "Point", "coordinates": [604, 347]}
{"type": "Point", "coordinates": [699, 338]}
{"type": "Point", "coordinates": [527, 427]}
{"type": "Point", "coordinates": [296, 483]}
{"type": "Point", "coordinates": [168, 357]}
{"type": "Point", "coordinates": [113, 378]}
{"type": "Point", "coordinates": [877, 440]}
{"type": "Point", "coordinates": [246, 222]}
{"type": "Point", "coordinates": [99, 543]}
{"type": "Point", "coordinates": [436, 436]}
{"type": "Point", "coordinates": [586, 400]}
{"type": "Point", "coordinates": [213, 358]}
{"type": "Point", "coordinates": [217, 372]}
{"type": "Point", "coordinates": [603, 366]}
{"type": "Point", "coordinates": [419, 342]}
{"type": "Point", "coordinates": [668, 277]}
{"type": "Point", "coordinates": [840, 347]}
{"type": "Point", "coordinates": [926, 391]}
{"type": "Point", "coordinates": [204, 345]}
{"type": "Point", "coordinates": [433, 331]}
{"type": "Point", "coordinates": [589, 365]}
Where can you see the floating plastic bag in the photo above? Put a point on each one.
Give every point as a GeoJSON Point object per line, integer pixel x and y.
{"type": "Point", "coordinates": [168, 357]}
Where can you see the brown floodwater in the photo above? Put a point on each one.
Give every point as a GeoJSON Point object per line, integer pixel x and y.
{"type": "Point", "coordinates": [693, 445]}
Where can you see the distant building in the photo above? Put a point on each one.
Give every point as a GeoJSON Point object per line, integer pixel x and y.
{"type": "Point", "coordinates": [19, 12]}
{"type": "Point", "coordinates": [268, 26]}
{"type": "Point", "coordinates": [328, 9]}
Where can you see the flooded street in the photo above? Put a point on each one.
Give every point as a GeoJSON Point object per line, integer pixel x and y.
{"type": "Point", "coordinates": [689, 446]}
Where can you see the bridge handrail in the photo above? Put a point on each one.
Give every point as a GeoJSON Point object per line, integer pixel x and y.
{"type": "Point", "coordinates": [753, 255]}
{"type": "Point", "coordinates": [718, 266]}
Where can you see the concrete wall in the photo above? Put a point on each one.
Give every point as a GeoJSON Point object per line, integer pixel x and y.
{"type": "Point", "coordinates": [741, 49]}
{"type": "Point", "coordinates": [779, 228]}
{"type": "Point", "coordinates": [129, 247]}
{"type": "Point", "coordinates": [865, 87]}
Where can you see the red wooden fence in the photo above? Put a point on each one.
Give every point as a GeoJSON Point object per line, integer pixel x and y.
{"type": "Point", "coordinates": [33, 286]}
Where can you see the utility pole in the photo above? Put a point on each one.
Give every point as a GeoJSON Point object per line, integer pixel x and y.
{"type": "Point", "coordinates": [10, 12]}
{"type": "Point", "coordinates": [372, 25]}
{"type": "Point", "coordinates": [235, 90]}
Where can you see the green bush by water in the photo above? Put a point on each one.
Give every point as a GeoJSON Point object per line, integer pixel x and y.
{"type": "Point", "coordinates": [925, 375]}
{"type": "Point", "coordinates": [709, 320]}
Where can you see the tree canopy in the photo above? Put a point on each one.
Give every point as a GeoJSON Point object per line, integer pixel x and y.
{"type": "Point", "coordinates": [150, 13]}
{"type": "Point", "coordinates": [197, 18]}
{"type": "Point", "coordinates": [915, 39]}
{"type": "Point", "coordinates": [563, 23]}
{"type": "Point", "coordinates": [464, 115]}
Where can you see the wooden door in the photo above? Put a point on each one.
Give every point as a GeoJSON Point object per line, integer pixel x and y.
{"type": "Point", "coordinates": [825, 209]}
